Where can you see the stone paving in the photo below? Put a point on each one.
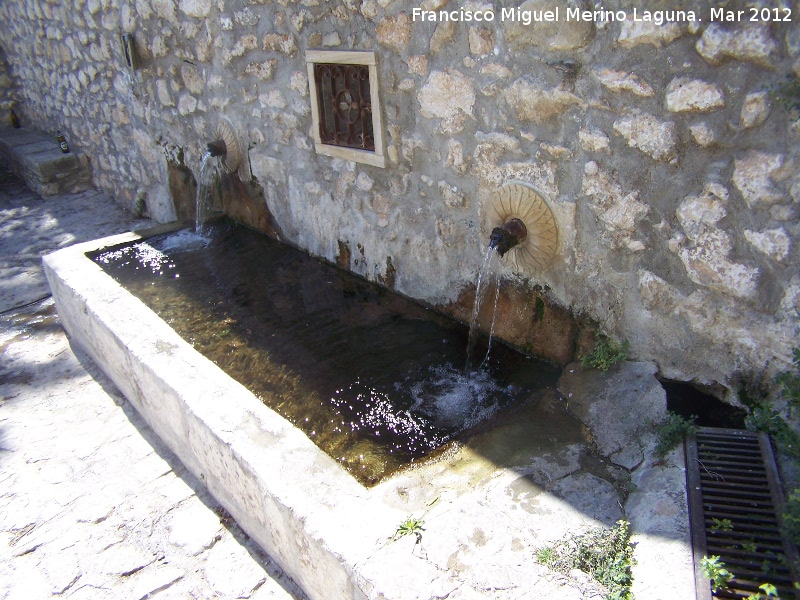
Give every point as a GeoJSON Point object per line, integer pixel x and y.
{"type": "Point", "coordinates": [31, 226]}
{"type": "Point", "coordinates": [92, 504]}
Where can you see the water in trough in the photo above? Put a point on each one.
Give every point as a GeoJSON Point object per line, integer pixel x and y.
{"type": "Point", "coordinates": [375, 380]}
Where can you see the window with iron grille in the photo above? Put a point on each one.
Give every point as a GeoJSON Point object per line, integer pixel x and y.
{"type": "Point", "coordinates": [345, 105]}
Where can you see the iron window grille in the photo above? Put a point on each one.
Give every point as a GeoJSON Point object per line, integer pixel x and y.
{"type": "Point", "coordinates": [345, 105]}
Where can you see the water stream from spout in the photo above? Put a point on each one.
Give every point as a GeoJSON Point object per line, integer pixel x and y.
{"type": "Point", "coordinates": [488, 282]}
{"type": "Point", "coordinates": [209, 170]}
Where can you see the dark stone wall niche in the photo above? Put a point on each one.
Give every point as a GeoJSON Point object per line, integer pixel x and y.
{"type": "Point", "coordinates": [183, 191]}
{"type": "Point", "coordinates": [242, 202]}
{"type": "Point", "coordinates": [529, 321]}
{"type": "Point", "coordinates": [686, 400]}
{"type": "Point", "coordinates": [245, 204]}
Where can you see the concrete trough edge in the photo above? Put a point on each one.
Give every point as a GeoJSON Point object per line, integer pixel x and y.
{"type": "Point", "coordinates": [321, 526]}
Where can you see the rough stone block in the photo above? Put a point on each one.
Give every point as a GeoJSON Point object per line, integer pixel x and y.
{"type": "Point", "coordinates": [531, 103]}
{"type": "Point", "coordinates": [752, 43]}
{"type": "Point", "coordinates": [554, 35]}
{"type": "Point", "coordinates": [41, 164]}
{"type": "Point", "coordinates": [605, 402]}
{"type": "Point", "coordinates": [47, 165]}
{"type": "Point", "coordinates": [653, 137]}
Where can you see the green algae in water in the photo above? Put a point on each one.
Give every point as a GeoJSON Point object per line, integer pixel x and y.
{"type": "Point", "coordinates": [374, 379]}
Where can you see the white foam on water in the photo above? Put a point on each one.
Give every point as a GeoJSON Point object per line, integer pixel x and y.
{"type": "Point", "coordinates": [184, 240]}
{"type": "Point", "coordinates": [452, 399]}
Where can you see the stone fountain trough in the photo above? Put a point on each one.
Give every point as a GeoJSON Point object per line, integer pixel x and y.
{"type": "Point", "coordinates": [487, 505]}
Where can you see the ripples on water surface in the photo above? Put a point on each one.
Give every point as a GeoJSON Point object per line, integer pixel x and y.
{"type": "Point", "coordinates": [375, 380]}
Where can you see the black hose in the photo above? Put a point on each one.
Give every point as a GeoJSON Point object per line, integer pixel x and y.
{"type": "Point", "coordinates": [27, 304]}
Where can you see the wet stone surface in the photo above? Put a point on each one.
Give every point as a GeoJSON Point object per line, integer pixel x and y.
{"type": "Point", "coordinates": [533, 479]}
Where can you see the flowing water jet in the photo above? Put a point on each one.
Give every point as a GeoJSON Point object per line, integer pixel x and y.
{"type": "Point", "coordinates": [209, 171]}
{"type": "Point", "coordinates": [223, 155]}
{"type": "Point", "coordinates": [503, 238]}
{"type": "Point", "coordinates": [513, 207]}
{"type": "Point", "coordinates": [487, 280]}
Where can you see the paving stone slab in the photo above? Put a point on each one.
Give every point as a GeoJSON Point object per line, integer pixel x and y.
{"type": "Point", "coordinates": [31, 226]}
{"type": "Point", "coordinates": [658, 511]}
{"type": "Point", "coordinates": [86, 488]}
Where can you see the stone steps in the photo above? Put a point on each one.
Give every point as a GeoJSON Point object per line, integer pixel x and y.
{"type": "Point", "coordinates": [40, 163]}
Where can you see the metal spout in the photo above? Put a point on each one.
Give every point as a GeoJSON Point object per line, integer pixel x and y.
{"type": "Point", "coordinates": [217, 148]}
{"type": "Point", "coordinates": [508, 235]}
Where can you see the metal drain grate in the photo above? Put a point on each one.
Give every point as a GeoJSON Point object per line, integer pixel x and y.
{"type": "Point", "coordinates": [735, 498]}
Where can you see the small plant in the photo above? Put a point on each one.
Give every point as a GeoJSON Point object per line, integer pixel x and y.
{"type": "Point", "coordinates": [790, 382]}
{"type": "Point", "coordinates": [606, 555]}
{"type": "Point", "coordinates": [140, 207]}
{"type": "Point", "coordinates": [410, 526]}
{"type": "Point", "coordinates": [545, 555]}
{"type": "Point", "coordinates": [764, 418]}
{"type": "Point", "coordinates": [605, 354]}
{"type": "Point", "coordinates": [791, 516]}
{"type": "Point", "coordinates": [750, 546]}
{"type": "Point", "coordinates": [538, 310]}
{"type": "Point", "coordinates": [767, 591]}
{"type": "Point", "coordinates": [767, 419]}
{"type": "Point", "coordinates": [672, 431]}
{"type": "Point", "coordinates": [715, 570]}
{"type": "Point", "coordinates": [787, 95]}
{"type": "Point", "coordinates": [721, 525]}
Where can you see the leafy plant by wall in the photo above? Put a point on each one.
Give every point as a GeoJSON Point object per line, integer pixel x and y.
{"type": "Point", "coordinates": [787, 95]}
{"type": "Point", "coordinates": [605, 354]}
{"type": "Point", "coordinates": [790, 380]}
{"type": "Point", "coordinates": [672, 431]}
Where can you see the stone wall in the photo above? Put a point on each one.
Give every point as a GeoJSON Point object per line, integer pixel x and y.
{"type": "Point", "coordinates": [670, 170]}
{"type": "Point", "coordinates": [7, 90]}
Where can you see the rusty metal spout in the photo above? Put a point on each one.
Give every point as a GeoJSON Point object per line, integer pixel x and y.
{"type": "Point", "coordinates": [217, 148]}
{"type": "Point", "coordinates": [508, 235]}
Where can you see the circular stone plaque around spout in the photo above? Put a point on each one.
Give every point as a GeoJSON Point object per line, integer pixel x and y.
{"type": "Point", "coordinates": [233, 154]}
{"type": "Point", "coordinates": [521, 201]}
